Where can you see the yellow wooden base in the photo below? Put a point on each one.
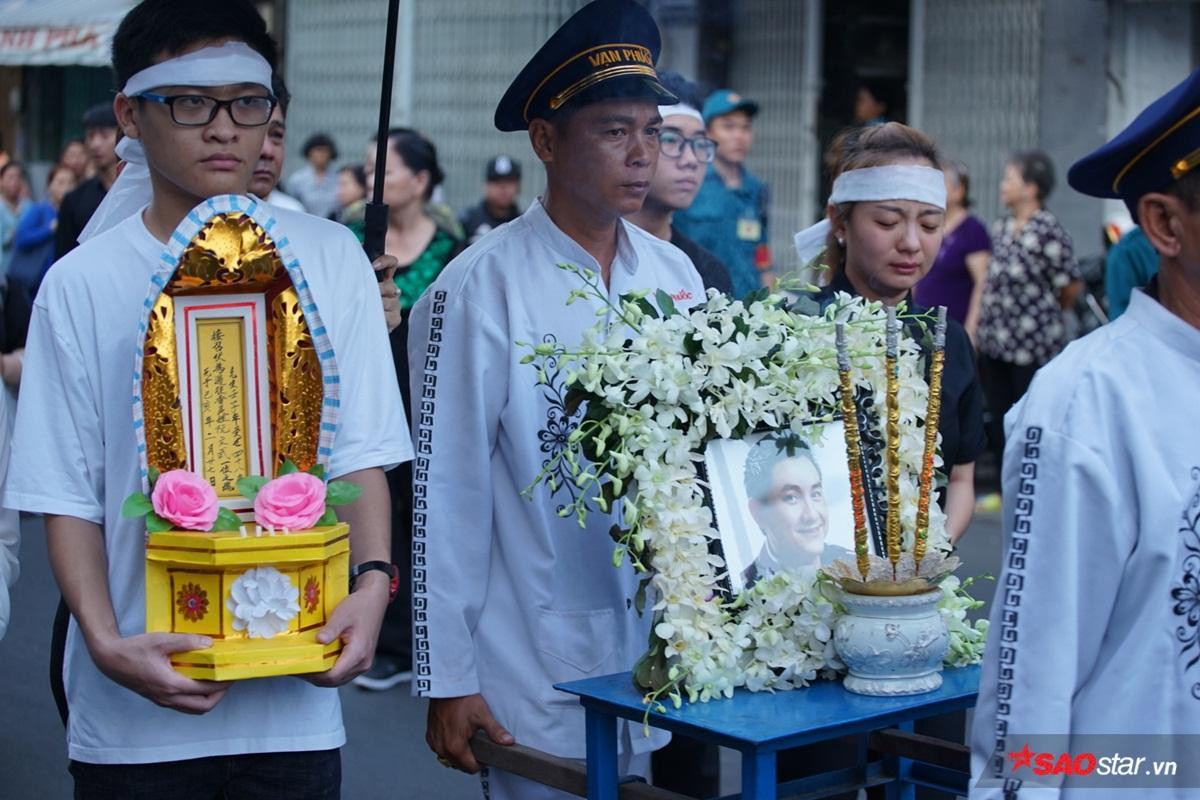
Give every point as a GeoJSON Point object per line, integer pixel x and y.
{"type": "Point", "coordinates": [188, 580]}
{"type": "Point", "coordinates": [235, 659]}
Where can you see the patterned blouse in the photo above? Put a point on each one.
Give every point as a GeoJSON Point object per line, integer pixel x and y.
{"type": "Point", "coordinates": [413, 280]}
{"type": "Point", "coordinates": [1020, 320]}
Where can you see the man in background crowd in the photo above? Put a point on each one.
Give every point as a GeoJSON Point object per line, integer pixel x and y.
{"type": "Point", "coordinates": [1131, 264]}
{"type": "Point", "coordinates": [100, 137]}
{"type": "Point", "coordinates": [315, 185]}
{"type": "Point", "coordinates": [264, 182]}
{"type": "Point", "coordinates": [501, 185]}
{"type": "Point", "coordinates": [729, 215]}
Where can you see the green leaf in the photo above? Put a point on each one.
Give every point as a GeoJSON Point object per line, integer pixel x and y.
{"type": "Point", "coordinates": [639, 599]}
{"type": "Point", "coordinates": [288, 467]}
{"type": "Point", "coordinates": [806, 306]}
{"type": "Point", "coordinates": [317, 470]}
{"type": "Point", "coordinates": [665, 303]}
{"type": "Point", "coordinates": [227, 521]}
{"type": "Point", "coordinates": [153, 473]}
{"type": "Point", "coordinates": [339, 493]}
{"type": "Point", "coordinates": [328, 518]}
{"type": "Point", "coordinates": [156, 524]}
{"type": "Point", "coordinates": [250, 485]}
{"type": "Point", "coordinates": [136, 505]}
{"type": "Point", "coordinates": [647, 307]}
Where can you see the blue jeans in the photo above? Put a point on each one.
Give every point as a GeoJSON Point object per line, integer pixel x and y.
{"type": "Point", "coordinates": [309, 775]}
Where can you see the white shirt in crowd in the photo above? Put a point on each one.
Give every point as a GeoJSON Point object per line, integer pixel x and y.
{"type": "Point", "coordinates": [1094, 628]}
{"type": "Point", "coordinates": [509, 598]}
{"type": "Point", "coordinates": [10, 521]}
{"type": "Point", "coordinates": [74, 453]}
{"type": "Point", "coordinates": [317, 193]}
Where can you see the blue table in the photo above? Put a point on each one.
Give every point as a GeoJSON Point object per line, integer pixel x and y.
{"type": "Point", "coordinates": [760, 724]}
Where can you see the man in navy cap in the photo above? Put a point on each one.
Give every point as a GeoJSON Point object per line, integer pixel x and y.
{"type": "Point", "coordinates": [501, 185]}
{"type": "Point", "coordinates": [1096, 623]}
{"type": "Point", "coordinates": [509, 597]}
{"type": "Point", "coordinates": [729, 215]}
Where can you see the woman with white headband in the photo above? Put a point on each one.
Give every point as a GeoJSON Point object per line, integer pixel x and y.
{"type": "Point", "coordinates": [883, 229]}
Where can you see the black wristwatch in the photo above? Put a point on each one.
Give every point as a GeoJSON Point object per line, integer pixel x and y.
{"type": "Point", "coordinates": [393, 573]}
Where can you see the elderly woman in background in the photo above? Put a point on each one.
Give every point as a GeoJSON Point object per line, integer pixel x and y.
{"type": "Point", "coordinates": [1032, 278]}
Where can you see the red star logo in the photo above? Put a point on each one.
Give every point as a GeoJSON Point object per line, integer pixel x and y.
{"type": "Point", "coordinates": [1022, 758]}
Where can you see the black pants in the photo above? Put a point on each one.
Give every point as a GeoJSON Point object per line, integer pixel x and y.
{"type": "Point", "coordinates": [395, 635]}
{"type": "Point", "coordinates": [306, 775]}
{"type": "Point", "coordinates": [1004, 383]}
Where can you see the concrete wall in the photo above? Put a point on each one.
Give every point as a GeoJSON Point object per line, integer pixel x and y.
{"type": "Point", "coordinates": [1073, 108]}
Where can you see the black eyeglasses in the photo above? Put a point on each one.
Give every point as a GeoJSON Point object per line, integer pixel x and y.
{"type": "Point", "coordinates": [193, 110]}
{"type": "Point", "coordinates": [672, 144]}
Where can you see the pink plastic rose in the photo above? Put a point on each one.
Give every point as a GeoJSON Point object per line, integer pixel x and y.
{"type": "Point", "coordinates": [294, 501]}
{"type": "Point", "coordinates": [185, 500]}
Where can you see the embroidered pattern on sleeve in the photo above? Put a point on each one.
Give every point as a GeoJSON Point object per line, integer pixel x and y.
{"type": "Point", "coordinates": [422, 668]}
{"type": "Point", "coordinates": [1186, 593]}
{"type": "Point", "coordinates": [559, 424]}
{"type": "Point", "coordinates": [1014, 585]}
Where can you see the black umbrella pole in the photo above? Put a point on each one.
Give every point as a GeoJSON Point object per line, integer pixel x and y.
{"type": "Point", "coordinates": [375, 224]}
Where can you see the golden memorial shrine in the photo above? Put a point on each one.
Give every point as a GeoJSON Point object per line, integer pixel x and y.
{"type": "Point", "coordinates": [236, 383]}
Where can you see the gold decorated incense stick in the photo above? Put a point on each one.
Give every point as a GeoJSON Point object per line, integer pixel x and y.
{"type": "Point", "coordinates": [893, 437]}
{"type": "Point", "coordinates": [853, 454]}
{"type": "Point", "coordinates": [932, 415]}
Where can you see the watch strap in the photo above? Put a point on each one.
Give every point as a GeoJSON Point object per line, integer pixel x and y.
{"type": "Point", "coordinates": [391, 570]}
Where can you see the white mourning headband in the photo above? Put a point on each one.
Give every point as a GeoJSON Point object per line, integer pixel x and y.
{"type": "Point", "coordinates": [229, 63]}
{"type": "Point", "coordinates": [894, 182]}
{"type": "Point", "coordinates": [680, 110]}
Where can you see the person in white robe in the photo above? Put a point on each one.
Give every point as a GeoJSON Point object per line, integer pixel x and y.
{"type": "Point", "coordinates": [510, 598]}
{"type": "Point", "coordinates": [1095, 628]}
{"type": "Point", "coordinates": [75, 456]}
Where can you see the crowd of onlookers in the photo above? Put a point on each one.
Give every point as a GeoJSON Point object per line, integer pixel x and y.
{"type": "Point", "coordinates": [1016, 285]}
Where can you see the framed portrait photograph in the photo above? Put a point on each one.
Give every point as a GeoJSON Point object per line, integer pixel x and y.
{"type": "Point", "coordinates": [781, 502]}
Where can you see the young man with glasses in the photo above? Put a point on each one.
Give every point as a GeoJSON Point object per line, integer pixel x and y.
{"type": "Point", "coordinates": [729, 215]}
{"type": "Point", "coordinates": [684, 151]}
{"type": "Point", "coordinates": [194, 109]}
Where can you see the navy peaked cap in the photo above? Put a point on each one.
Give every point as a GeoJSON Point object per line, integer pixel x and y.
{"type": "Point", "coordinates": [605, 42]}
{"type": "Point", "coordinates": [1158, 148]}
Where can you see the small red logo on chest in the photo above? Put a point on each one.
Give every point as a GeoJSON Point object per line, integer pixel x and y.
{"type": "Point", "coordinates": [682, 294]}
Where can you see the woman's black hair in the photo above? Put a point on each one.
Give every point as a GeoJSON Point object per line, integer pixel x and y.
{"type": "Point", "coordinates": [320, 140]}
{"type": "Point", "coordinates": [18, 166]}
{"type": "Point", "coordinates": [418, 154]}
{"type": "Point", "coordinates": [964, 180]}
{"type": "Point", "coordinates": [154, 27]}
{"type": "Point", "coordinates": [357, 172]}
{"type": "Point", "coordinates": [1035, 167]}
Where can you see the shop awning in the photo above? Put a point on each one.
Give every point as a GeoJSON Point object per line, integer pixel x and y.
{"type": "Point", "coordinates": [36, 33]}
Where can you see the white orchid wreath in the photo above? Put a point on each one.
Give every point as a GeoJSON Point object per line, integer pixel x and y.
{"type": "Point", "coordinates": [659, 385]}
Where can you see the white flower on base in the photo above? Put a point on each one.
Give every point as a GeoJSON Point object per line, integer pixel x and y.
{"type": "Point", "coordinates": [263, 602]}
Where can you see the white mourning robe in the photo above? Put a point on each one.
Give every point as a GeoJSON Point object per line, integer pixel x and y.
{"type": "Point", "coordinates": [75, 453]}
{"type": "Point", "coordinates": [1094, 625]}
{"type": "Point", "coordinates": [508, 597]}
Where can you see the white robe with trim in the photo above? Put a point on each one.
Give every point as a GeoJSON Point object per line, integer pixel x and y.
{"type": "Point", "coordinates": [1094, 625]}
{"type": "Point", "coordinates": [509, 598]}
